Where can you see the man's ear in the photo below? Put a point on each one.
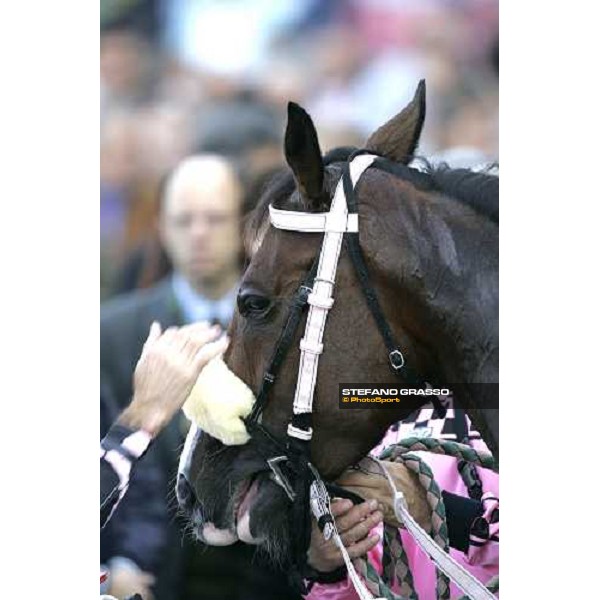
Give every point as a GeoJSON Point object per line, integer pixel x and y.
{"type": "Point", "coordinates": [303, 154]}
{"type": "Point", "coordinates": [399, 137]}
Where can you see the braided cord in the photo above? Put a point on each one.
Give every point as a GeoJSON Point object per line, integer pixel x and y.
{"type": "Point", "coordinates": [460, 451]}
{"type": "Point", "coordinates": [401, 568]}
{"type": "Point", "coordinates": [395, 563]}
{"type": "Point", "coordinates": [374, 581]}
{"type": "Point", "coordinates": [439, 526]}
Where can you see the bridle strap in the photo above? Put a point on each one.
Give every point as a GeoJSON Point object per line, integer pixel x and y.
{"type": "Point", "coordinates": [296, 310]}
{"type": "Point", "coordinates": [321, 300]}
{"type": "Point", "coordinates": [395, 356]}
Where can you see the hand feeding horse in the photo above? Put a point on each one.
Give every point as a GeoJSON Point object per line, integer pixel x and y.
{"type": "Point", "coordinates": [416, 295]}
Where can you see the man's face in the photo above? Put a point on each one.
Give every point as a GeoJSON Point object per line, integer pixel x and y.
{"type": "Point", "coordinates": [200, 225]}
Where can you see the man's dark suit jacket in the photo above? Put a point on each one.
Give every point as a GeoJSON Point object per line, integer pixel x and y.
{"type": "Point", "coordinates": [124, 325]}
{"type": "Point", "coordinates": [227, 573]}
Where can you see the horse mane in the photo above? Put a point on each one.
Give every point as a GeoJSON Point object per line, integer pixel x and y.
{"type": "Point", "coordinates": [477, 189]}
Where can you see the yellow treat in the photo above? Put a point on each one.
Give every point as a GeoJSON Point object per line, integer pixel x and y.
{"type": "Point", "coordinates": [218, 402]}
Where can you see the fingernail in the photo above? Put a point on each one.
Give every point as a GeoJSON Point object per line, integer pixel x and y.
{"type": "Point", "coordinates": [377, 516]}
{"type": "Point", "coordinates": [373, 504]}
{"type": "Point", "coordinates": [374, 537]}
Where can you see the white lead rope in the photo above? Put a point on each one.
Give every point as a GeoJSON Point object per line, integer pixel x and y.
{"type": "Point", "coordinates": [320, 504]}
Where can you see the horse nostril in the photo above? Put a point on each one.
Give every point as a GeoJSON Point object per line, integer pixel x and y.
{"type": "Point", "coordinates": [185, 494]}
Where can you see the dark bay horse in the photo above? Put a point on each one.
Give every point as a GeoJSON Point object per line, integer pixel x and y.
{"type": "Point", "coordinates": [430, 243]}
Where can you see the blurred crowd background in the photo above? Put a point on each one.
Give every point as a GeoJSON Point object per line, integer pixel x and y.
{"type": "Point", "coordinates": [193, 108]}
{"type": "Point", "coordinates": [183, 76]}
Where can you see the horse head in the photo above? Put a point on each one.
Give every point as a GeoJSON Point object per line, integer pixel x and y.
{"type": "Point", "coordinates": [432, 260]}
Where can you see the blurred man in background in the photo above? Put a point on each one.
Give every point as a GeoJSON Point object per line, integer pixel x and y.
{"type": "Point", "coordinates": [200, 230]}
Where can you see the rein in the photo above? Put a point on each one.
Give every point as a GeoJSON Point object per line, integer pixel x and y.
{"type": "Point", "coordinates": [290, 460]}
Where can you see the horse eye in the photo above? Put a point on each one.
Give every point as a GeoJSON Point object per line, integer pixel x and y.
{"type": "Point", "coordinates": [252, 304]}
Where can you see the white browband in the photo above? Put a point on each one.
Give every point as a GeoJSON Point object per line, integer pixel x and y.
{"type": "Point", "coordinates": [312, 222]}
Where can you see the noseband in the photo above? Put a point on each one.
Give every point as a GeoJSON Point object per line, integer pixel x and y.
{"type": "Point", "coordinates": [289, 461]}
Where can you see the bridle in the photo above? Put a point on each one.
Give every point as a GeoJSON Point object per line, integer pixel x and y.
{"type": "Point", "coordinates": [289, 461]}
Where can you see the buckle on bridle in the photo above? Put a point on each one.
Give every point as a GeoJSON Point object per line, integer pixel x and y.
{"type": "Point", "coordinates": [301, 296]}
{"type": "Point", "coordinates": [306, 291]}
{"type": "Point", "coordinates": [278, 476]}
{"type": "Point", "coordinates": [396, 359]}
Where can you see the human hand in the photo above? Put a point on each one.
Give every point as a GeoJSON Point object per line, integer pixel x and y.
{"type": "Point", "coordinates": [125, 581]}
{"type": "Point", "coordinates": [354, 524]}
{"type": "Point", "coordinates": [371, 483]}
{"type": "Point", "coordinates": [166, 372]}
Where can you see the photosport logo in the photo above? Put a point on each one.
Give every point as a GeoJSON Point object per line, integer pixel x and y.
{"type": "Point", "coordinates": [384, 395]}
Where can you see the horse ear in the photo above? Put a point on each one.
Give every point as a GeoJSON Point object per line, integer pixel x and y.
{"type": "Point", "coordinates": [399, 137]}
{"type": "Point", "coordinates": [303, 154]}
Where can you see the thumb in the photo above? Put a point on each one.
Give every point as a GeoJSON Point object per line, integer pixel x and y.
{"type": "Point", "coordinates": [153, 335]}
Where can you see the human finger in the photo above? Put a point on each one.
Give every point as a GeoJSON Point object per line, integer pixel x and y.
{"type": "Point", "coordinates": [170, 336]}
{"type": "Point", "coordinates": [201, 338]}
{"type": "Point", "coordinates": [147, 579]}
{"type": "Point", "coordinates": [361, 530]}
{"type": "Point", "coordinates": [341, 507]}
{"type": "Point", "coordinates": [191, 332]}
{"type": "Point", "coordinates": [200, 346]}
{"type": "Point", "coordinates": [153, 335]}
{"type": "Point", "coordinates": [196, 327]}
{"type": "Point", "coordinates": [361, 548]}
{"type": "Point", "coordinates": [355, 515]}
{"type": "Point", "coordinates": [209, 351]}
{"type": "Point", "coordinates": [192, 340]}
